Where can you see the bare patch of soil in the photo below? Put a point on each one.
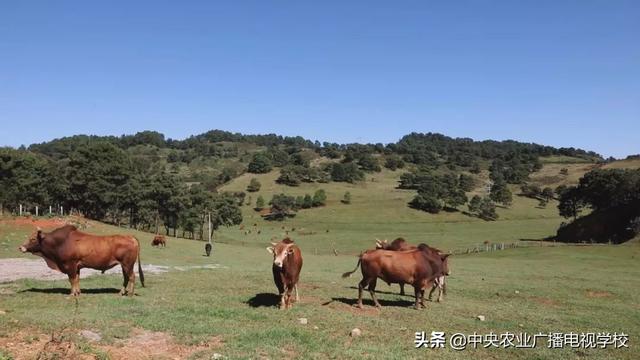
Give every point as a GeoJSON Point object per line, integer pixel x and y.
{"type": "Point", "coordinates": [26, 344]}
{"type": "Point", "coordinates": [544, 301]}
{"type": "Point", "coordinates": [598, 294]}
{"type": "Point", "coordinates": [18, 268]}
{"type": "Point", "coordinates": [145, 344]}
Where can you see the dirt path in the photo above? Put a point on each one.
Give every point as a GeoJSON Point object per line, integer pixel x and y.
{"type": "Point", "coordinates": [18, 268]}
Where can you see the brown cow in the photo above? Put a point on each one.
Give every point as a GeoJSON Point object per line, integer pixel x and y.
{"type": "Point", "coordinates": [287, 263]}
{"type": "Point", "coordinates": [68, 250]}
{"type": "Point", "coordinates": [159, 240]}
{"type": "Point", "coordinates": [419, 267]}
{"type": "Point", "coordinates": [401, 244]}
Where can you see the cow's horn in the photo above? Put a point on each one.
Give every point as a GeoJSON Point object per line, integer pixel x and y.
{"type": "Point", "coordinates": [274, 244]}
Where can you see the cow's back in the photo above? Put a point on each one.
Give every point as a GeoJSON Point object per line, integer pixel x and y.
{"type": "Point", "coordinates": [100, 252]}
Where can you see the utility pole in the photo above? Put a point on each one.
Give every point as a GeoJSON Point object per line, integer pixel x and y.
{"type": "Point", "coordinates": [209, 223]}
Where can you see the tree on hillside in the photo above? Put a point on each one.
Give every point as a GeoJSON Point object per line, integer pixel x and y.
{"type": "Point", "coordinates": [281, 206]}
{"type": "Point", "coordinates": [319, 198]}
{"type": "Point", "coordinates": [260, 163]}
{"type": "Point", "coordinates": [29, 179]}
{"type": "Point", "coordinates": [290, 175]}
{"type": "Point", "coordinates": [260, 203]}
{"type": "Point", "coordinates": [466, 183]}
{"type": "Point", "coordinates": [346, 199]}
{"type": "Point", "coordinates": [307, 202]}
{"type": "Point", "coordinates": [394, 162]}
{"type": "Point", "coordinates": [571, 203]}
{"type": "Point", "coordinates": [474, 204]}
{"type": "Point", "coordinates": [97, 175]}
{"type": "Point", "coordinates": [547, 194]}
{"type": "Point", "coordinates": [369, 163]}
{"type": "Point", "coordinates": [278, 156]}
{"type": "Point", "coordinates": [487, 210]}
{"type": "Point", "coordinates": [500, 193]}
{"type": "Point", "coordinates": [428, 203]}
{"type": "Point", "coordinates": [475, 168]}
{"type": "Point", "coordinates": [254, 185]}
{"type": "Point", "coordinates": [347, 172]}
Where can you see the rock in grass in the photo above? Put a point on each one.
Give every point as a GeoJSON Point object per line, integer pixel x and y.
{"type": "Point", "coordinates": [90, 335]}
{"type": "Point", "coordinates": [481, 317]}
{"type": "Point", "coordinates": [356, 332]}
{"type": "Point", "coordinates": [216, 356]}
{"type": "Point", "coordinates": [517, 292]}
{"type": "Point", "coordinates": [303, 321]}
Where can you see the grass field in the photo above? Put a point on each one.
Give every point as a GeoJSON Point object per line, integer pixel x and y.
{"type": "Point", "coordinates": [230, 310]}
{"type": "Point", "coordinates": [560, 289]}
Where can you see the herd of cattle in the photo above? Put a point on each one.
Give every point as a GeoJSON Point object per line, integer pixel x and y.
{"type": "Point", "coordinates": [68, 250]}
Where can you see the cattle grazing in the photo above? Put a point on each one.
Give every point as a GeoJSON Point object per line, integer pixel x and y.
{"type": "Point", "coordinates": [207, 249]}
{"type": "Point", "coordinates": [287, 263]}
{"type": "Point", "coordinates": [401, 244]}
{"type": "Point", "coordinates": [159, 240]}
{"type": "Point", "coordinates": [418, 267]}
{"type": "Point", "coordinates": [68, 250]}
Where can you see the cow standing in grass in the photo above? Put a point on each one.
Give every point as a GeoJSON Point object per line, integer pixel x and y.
{"type": "Point", "coordinates": [287, 263]}
{"type": "Point", "coordinates": [418, 267]}
{"type": "Point", "coordinates": [68, 250]}
{"type": "Point", "coordinates": [159, 241]}
{"type": "Point", "coordinates": [401, 244]}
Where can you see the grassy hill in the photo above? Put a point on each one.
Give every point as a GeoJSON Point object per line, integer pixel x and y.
{"type": "Point", "coordinates": [379, 210]}
{"type": "Point", "coordinates": [228, 309]}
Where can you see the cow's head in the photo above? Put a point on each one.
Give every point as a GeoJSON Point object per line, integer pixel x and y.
{"type": "Point", "coordinates": [33, 243]}
{"type": "Point", "coordinates": [280, 251]}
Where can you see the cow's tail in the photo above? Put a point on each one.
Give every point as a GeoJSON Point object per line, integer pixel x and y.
{"type": "Point", "coordinates": [349, 273]}
{"type": "Point", "coordinates": [140, 263]}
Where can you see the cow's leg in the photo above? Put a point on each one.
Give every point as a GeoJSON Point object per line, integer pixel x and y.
{"type": "Point", "coordinates": [125, 282]}
{"type": "Point", "coordinates": [433, 288]}
{"type": "Point", "coordinates": [132, 280]}
{"type": "Point", "coordinates": [441, 281]}
{"type": "Point", "coordinates": [296, 289]}
{"type": "Point", "coordinates": [74, 280]}
{"type": "Point", "coordinates": [361, 286]}
{"type": "Point", "coordinates": [289, 297]}
{"type": "Point", "coordinates": [283, 300]}
{"type": "Point", "coordinates": [372, 291]}
{"type": "Point", "coordinates": [417, 290]}
{"type": "Point", "coordinates": [401, 288]}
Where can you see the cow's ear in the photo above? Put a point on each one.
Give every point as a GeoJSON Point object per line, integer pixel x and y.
{"type": "Point", "coordinates": [270, 249]}
{"type": "Point", "coordinates": [444, 256]}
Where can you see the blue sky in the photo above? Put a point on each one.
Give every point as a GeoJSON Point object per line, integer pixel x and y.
{"type": "Point", "coordinates": [562, 73]}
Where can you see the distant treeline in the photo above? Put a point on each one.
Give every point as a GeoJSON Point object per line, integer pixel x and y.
{"type": "Point", "coordinates": [145, 179]}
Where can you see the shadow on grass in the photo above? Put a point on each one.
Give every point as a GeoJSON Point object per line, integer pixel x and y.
{"type": "Point", "coordinates": [383, 302]}
{"type": "Point", "coordinates": [66, 291]}
{"type": "Point", "coordinates": [408, 291]}
{"type": "Point", "coordinates": [264, 300]}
